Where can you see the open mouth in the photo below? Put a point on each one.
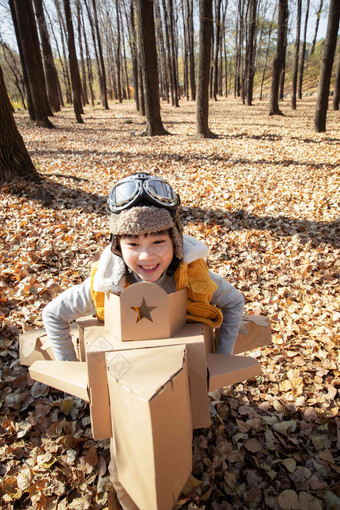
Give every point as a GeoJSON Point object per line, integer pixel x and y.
{"type": "Point", "coordinates": [149, 269]}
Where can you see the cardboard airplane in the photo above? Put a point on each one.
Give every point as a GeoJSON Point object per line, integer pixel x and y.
{"type": "Point", "coordinates": [146, 374]}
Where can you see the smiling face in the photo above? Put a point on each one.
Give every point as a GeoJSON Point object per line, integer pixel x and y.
{"type": "Point", "coordinates": [148, 255]}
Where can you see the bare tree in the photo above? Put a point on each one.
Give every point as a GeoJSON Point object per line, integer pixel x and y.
{"type": "Point", "coordinates": [204, 58]}
{"type": "Point", "coordinates": [85, 99]}
{"type": "Point", "coordinates": [15, 161]}
{"type": "Point", "coordinates": [296, 55]}
{"type": "Point", "coordinates": [217, 46]}
{"type": "Point", "coordinates": [148, 58]}
{"type": "Point", "coordinates": [22, 11]}
{"type": "Point", "coordinates": [250, 50]}
{"type": "Point", "coordinates": [336, 96]}
{"type": "Point", "coordinates": [326, 67]}
{"type": "Point", "coordinates": [50, 69]}
{"type": "Point", "coordinates": [74, 69]}
{"type": "Point", "coordinates": [279, 58]}
{"type": "Point", "coordinates": [12, 64]}
{"type": "Point", "coordinates": [267, 51]}
{"type": "Point", "coordinates": [303, 51]}
{"type": "Point", "coordinates": [318, 15]}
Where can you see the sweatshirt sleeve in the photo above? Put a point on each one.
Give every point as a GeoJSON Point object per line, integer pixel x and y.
{"type": "Point", "coordinates": [231, 303]}
{"type": "Point", "coordinates": [70, 305]}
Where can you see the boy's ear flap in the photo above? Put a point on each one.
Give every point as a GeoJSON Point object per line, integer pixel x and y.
{"type": "Point", "coordinates": [115, 246]}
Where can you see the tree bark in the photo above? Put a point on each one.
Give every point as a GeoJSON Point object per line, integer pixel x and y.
{"type": "Point", "coordinates": [296, 54]}
{"type": "Point", "coordinates": [134, 55]}
{"type": "Point", "coordinates": [279, 58]}
{"type": "Point", "coordinates": [336, 96]}
{"type": "Point", "coordinates": [85, 98]}
{"type": "Point", "coordinates": [148, 56]}
{"type": "Point", "coordinates": [64, 61]}
{"type": "Point", "coordinates": [118, 55]}
{"type": "Point", "coordinates": [204, 59]}
{"type": "Point", "coordinates": [30, 105]}
{"type": "Point", "coordinates": [303, 51]}
{"type": "Point", "coordinates": [31, 52]}
{"type": "Point", "coordinates": [74, 69]}
{"type": "Point", "coordinates": [50, 69]}
{"type": "Point", "coordinates": [173, 53]}
{"type": "Point", "coordinates": [267, 53]}
{"type": "Point", "coordinates": [191, 39]}
{"type": "Point", "coordinates": [326, 67]}
{"type": "Point", "coordinates": [15, 161]}
{"type": "Point", "coordinates": [18, 79]}
{"type": "Point", "coordinates": [250, 52]}
{"type": "Point", "coordinates": [217, 46]}
{"type": "Point", "coordinates": [318, 14]}
{"type": "Point", "coordinates": [101, 58]}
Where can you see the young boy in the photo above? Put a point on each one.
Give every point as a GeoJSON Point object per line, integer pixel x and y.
{"type": "Point", "coordinates": [147, 244]}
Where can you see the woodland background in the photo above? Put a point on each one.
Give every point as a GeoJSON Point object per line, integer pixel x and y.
{"type": "Point", "coordinates": [264, 196]}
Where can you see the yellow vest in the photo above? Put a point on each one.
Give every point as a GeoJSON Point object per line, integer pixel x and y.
{"type": "Point", "coordinates": [194, 277]}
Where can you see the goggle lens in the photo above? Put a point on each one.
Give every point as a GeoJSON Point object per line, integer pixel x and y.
{"type": "Point", "coordinates": [123, 193]}
{"type": "Point", "coordinates": [126, 193]}
{"type": "Point", "coordinates": [161, 191]}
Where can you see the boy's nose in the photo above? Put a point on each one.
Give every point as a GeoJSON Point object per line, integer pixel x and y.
{"type": "Point", "coordinates": [146, 254]}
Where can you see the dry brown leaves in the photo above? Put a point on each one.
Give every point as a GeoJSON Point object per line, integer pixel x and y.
{"type": "Point", "coordinates": [265, 197]}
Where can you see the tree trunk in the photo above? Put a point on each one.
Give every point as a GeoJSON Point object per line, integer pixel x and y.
{"type": "Point", "coordinates": [267, 53]}
{"type": "Point", "coordinates": [64, 62]}
{"type": "Point", "coordinates": [60, 95]}
{"type": "Point", "coordinates": [15, 161]}
{"type": "Point", "coordinates": [31, 51]}
{"type": "Point", "coordinates": [134, 56]}
{"type": "Point", "coordinates": [173, 53]}
{"type": "Point", "coordinates": [168, 52]}
{"type": "Point", "coordinates": [30, 105]}
{"type": "Point", "coordinates": [18, 79]}
{"type": "Point", "coordinates": [50, 69]}
{"type": "Point", "coordinates": [118, 55]}
{"type": "Point", "coordinates": [84, 95]}
{"type": "Point", "coordinates": [190, 9]}
{"type": "Point", "coordinates": [303, 51]}
{"type": "Point", "coordinates": [88, 60]}
{"type": "Point", "coordinates": [217, 46]}
{"type": "Point", "coordinates": [296, 55]}
{"type": "Point", "coordinates": [74, 70]}
{"type": "Point", "coordinates": [326, 67]}
{"type": "Point", "coordinates": [148, 54]}
{"type": "Point", "coordinates": [250, 54]}
{"type": "Point", "coordinates": [318, 14]}
{"type": "Point", "coordinates": [204, 58]}
{"type": "Point", "coordinates": [141, 88]}
{"type": "Point", "coordinates": [336, 96]}
{"type": "Point", "coordinates": [161, 49]}
{"type": "Point", "coordinates": [279, 58]}
{"type": "Point", "coordinates": [101, 58]}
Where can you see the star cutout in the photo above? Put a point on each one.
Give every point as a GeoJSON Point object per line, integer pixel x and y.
{"type": "Point", "coordinates": [143, 311]}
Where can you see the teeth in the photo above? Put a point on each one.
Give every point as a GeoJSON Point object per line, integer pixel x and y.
{"type": "Point", "coordinates": [148, 268]}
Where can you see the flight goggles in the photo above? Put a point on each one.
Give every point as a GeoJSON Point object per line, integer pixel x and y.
{"type": "Point", "coordinates": [132, 190]}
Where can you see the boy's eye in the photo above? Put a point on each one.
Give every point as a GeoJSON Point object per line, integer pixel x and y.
{"type": "Point", "coordinates": [159, 241]}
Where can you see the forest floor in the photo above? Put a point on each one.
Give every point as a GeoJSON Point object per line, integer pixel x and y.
{"type": "Point", "coordinates": [265, 197]}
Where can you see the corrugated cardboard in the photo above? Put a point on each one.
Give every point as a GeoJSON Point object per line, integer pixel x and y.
{"type": "Point", "coordinates": [68, 376]}
{"type": "Point", "coordinates": [96, 338]}
{"type": "Point", "coordinates": [150, 409]}
{"type": "Point", "coordinates": [99, 395]}
{"type": "Point", "coordinates": [35, 345]}
{"type": "Point", "coordinates": [254, 332]}
{"type": "Point", "coordinates": [225, 370]}
{"type": "Point", "coordinates": [145, 311]}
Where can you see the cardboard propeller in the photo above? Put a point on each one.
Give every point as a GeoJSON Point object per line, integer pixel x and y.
{"type": "Point", "coordinates": [146, 375]}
